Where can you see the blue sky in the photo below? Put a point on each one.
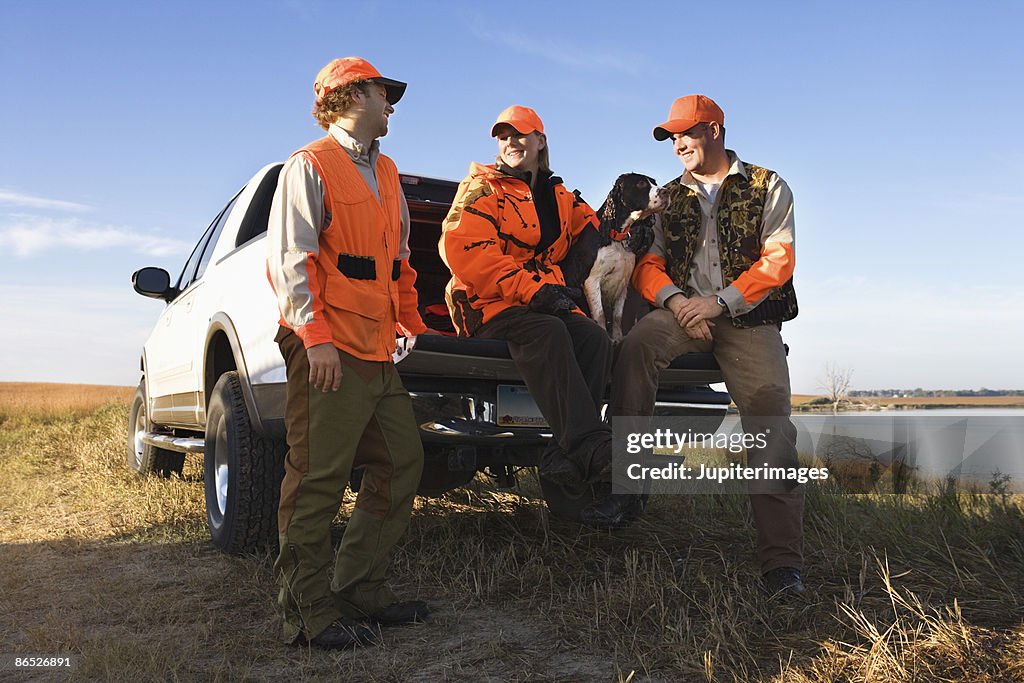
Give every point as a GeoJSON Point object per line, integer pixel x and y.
{"type": "Point", "coordinates": [125, 127]}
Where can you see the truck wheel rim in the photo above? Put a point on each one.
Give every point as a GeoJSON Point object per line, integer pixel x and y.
{"type": "Point", "coordinates": [221, 473]}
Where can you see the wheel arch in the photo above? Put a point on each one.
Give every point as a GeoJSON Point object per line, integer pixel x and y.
{"type": "Point", "coordinates": [144, 381]}
{"type": "Point", "coordinates": [224, 354]}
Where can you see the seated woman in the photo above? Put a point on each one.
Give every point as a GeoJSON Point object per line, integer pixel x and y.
{"type": "Point", "coordinates": [510, 226]}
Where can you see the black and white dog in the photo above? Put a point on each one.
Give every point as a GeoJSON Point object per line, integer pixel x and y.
{"type": "Point", "coordinates": [602, 267]}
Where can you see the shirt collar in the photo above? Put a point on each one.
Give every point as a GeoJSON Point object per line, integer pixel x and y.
{"type": "Point", "coordinates": [355, 149]}
{"type": "Point", "coordinates": [736, 167]}
{"type": "Point", "coordinates": [526, 176]}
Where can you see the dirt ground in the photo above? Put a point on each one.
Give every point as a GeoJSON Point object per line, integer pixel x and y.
{"type": "Point", "coordinates": [187, 612]}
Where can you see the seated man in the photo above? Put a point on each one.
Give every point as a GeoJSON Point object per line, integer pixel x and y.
{"type": "Point", "coordinates": [720, 275]}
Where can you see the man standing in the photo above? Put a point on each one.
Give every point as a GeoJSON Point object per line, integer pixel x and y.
{"type": "Point", "coordinates": [338, 261]}
{"type": "Point", "coordinates": [720, 274]}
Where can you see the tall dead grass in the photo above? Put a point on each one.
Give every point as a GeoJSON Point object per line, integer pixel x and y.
{"type": "Point", "coordinates": [47, 400]}
{"type": "Point", "coordinates": [117, 569]}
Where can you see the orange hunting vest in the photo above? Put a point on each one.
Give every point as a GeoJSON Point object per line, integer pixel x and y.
{"type": "Point", "coordinates": [357, 266]}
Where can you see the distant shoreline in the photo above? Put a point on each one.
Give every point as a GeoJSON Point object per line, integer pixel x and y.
{"type": "Point", "coordinates": [809, 403]}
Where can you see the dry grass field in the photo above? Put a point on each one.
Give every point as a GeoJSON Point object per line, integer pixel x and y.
{"type": "Point", "coordinates": [118, 570]}
{"type": "Point", "coordinates": [46, 400]}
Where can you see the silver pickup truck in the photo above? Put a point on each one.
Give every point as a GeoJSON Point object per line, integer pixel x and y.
{"type": "Point", "coordinates": [213, 381]}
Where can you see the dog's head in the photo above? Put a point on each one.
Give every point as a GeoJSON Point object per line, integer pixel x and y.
{"type": "Point", "coordinates": [634, 192]}
{"type": "Point", "coordinates": [628, 211]}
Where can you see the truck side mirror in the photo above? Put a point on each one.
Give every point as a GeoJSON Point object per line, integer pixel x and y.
{"type": "Point", "coordinates": [154, 283]}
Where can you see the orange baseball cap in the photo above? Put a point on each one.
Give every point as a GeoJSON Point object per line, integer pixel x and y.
{"type": "Point", "coordinates": [347, 69]}
{"type": "Point", "coordinates": [523, 119]}
{"type": "Point", "coordinates": [687, 112]}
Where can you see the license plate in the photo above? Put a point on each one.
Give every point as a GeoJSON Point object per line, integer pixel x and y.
{"type": "Point", "coordinates": [516, 408]}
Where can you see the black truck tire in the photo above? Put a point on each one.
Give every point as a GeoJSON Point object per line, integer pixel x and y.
{"type": "Point", "coordinates": [143, 458]}
{"type": "Point", "coordinates": [242, 474]}
{"type": "Point", "coordinates": [566, 502]}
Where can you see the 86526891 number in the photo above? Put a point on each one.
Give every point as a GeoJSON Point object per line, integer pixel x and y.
{"type": "Point", "coordinates": [11, 661]}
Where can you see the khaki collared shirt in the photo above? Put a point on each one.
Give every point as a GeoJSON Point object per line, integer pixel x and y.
{"type": "Point", "coordinates": [706, 277]}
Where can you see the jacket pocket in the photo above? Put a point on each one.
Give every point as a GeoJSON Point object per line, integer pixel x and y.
{"type": "Point", "coordinates": [355, 311]}
{"type": "Point", "coordinates": [364, 298]}
{"type": "Point", "coordinates": [356, 193]}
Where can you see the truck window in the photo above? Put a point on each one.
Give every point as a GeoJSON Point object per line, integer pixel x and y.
{"type": "Point", "coordinates": [212, 242]}
{"type": "Point", "coordinates": [255, 222]}
{"type": "Point", "coordinates": [190, 266]}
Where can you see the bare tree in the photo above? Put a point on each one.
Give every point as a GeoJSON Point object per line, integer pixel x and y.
{"type": "Point", "coordinates": [837, 385]}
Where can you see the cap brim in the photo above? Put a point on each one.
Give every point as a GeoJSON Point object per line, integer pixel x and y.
{"type": "Point", "coordinates": [395, 89]}
{"type": "Point", "coordinates": [517, 126]}
{"type": "Point", "coordinates": [670, 128]}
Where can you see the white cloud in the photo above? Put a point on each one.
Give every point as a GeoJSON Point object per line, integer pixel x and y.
{"type": "Point", "coordinates": [31, 201]}
{"type": "Point", "coordinates": [564, 53]}
{"type": "Point", "coordinates": [29, 235]}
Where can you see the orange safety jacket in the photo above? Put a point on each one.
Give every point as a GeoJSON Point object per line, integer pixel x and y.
{"type": "Point", "coordinates": [361, 290]}
{"type": "Point", "coordinates": [489, 242]}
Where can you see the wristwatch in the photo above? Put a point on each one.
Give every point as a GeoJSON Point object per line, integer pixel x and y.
{"type": "Point", "coordinates": [721, 302]}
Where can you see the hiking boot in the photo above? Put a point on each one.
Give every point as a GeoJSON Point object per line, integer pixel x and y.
{"type": "Point", "coordinates": [342, 634]}
{"type": "Point", "coordinates": [608, 509]}
{"type": "Point", "coordinates": [558, 468]}
{"type": "Point", "coordinates": [635, 508]}
{"type": "Point", "coordinates": [590, 462]}
{"type": "Point", "coordinates": [401, 613]}
{"type": "Point", "coordinates": [596, 461]}
{"type": "Point", "coordinates": [607, 512]}
{"type": "Point", "coordinates": [784, 581]}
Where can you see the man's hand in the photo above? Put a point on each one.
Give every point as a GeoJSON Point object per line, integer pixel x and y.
{"type": "Point", "coordinates": [324, 367]}
{"type": "Point", "coordinates": [431, 332]}
{"type": "Point", "coordinates": [699, 328]}
{"type": "Point", "coordinates": [691, 311]}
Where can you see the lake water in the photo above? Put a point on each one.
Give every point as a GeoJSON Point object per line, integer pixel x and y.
{"type": "Point", "coordinates": [971, 445]}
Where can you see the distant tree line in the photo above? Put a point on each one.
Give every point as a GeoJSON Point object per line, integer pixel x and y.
{"type": "Point", "coordinates": [919, 393]}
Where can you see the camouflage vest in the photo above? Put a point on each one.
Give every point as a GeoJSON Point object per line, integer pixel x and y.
{"type": "Point", "coordinates": [740, 209]}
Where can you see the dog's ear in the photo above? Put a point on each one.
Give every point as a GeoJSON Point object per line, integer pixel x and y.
{"type": "Point", "coordinates": [613, 211]}
{"type": "Point", "coordinates": [642, 236]}
{"type": "Point", "coordinates": [579, 260]}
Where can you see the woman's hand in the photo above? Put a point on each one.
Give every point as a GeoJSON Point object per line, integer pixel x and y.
{"type": "Point", "coordinates": [554, 299]}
